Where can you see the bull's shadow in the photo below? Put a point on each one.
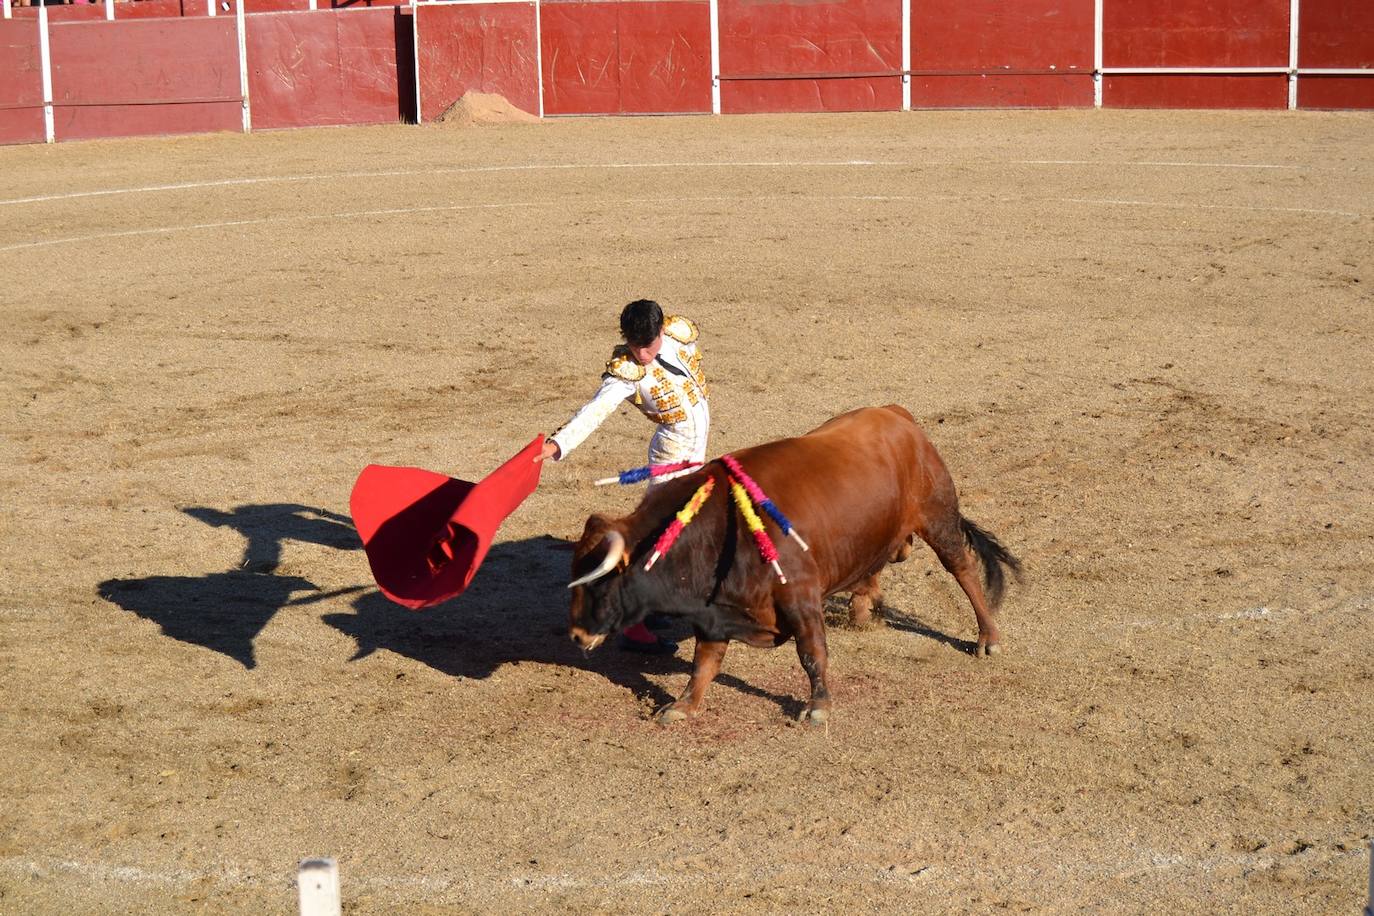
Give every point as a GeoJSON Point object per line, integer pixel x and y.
{"type": "Point", "coordinates": [516, 610]}
{"type": "Point", "coordinates": [225, 611]}
{"type": "Point", "coordinates": [837, 615]}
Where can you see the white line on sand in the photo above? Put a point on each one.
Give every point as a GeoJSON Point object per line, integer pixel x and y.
{"type": "Point", "coordinates": [403, 211]}
{"type": "Point", "coordinates": [571, 166]}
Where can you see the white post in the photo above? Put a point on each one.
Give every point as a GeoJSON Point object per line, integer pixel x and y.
{"type": "Point", "coordinates": [714, 12]}
{"type": "Point", "coordinates": [45, 61]}
{"type": "Point", "coordinates": [1097, 53]}
{"type": "Point", "coordinates": [318, 883]}
{"type": "Point", "coordinates": [1293, 55]}
{"type": "Point", "coordinates": [210, 5]}
{"type": "Point", "coordinates": [539, 54]}
{"type": "Point", "coordinates": [313, 7]}
{"type": "Point", "coordinates": [240, 25]}
{"type": "Point", "coordinates": [906, 55]}
{"type": "Point", "coordinates": [1369, 907]}
{"type": "Point", "coordinates": [109, 9]}
{"type": "Point", "coordinates": [415, 40]}
{"type": "Point", "coordinates": [6, 4]}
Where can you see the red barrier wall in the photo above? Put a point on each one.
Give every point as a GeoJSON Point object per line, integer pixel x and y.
{"type": "Point", "coordinates": [67, 12]}
{"type": "Point", "coordinates": [173, 76]}
{"type": "Point", "coordinates": [278, 6]}
{"type": "Point", "coordinates": [626, 58]}
{"type": "Point", "coordinates": [1195, 91]}
{"type": "Point", "coordinates": [1336, 92]}
{"type": "Point", "coordinates": [828, 51]}
{"type": "Point", "coordinates": [1336, 34]}
{"type": "Point", "coordinates": [477, 47]}
{"type": "Point", "coordinates": [21, 91]}
{"type": "Point", "coordinates": [326, 67]}
{"type": "Point", "coordinates": [153, 9]}
{"type": "Point", "coordinates": [1195, 33]}
{"type": "Point", "coordinates": [178, 70]}
{"type": "Point", "coordinates": [974, 39]}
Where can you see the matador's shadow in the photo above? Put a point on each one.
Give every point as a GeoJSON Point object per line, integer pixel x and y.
{"type": "Point", "coordinates": [225, 611]}
{"type": "Point", "coordinates": [516, 610]}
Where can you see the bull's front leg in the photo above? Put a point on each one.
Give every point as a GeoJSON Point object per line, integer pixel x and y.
{"type": "Point", "coordinates": [705, 666]}
{"type": "Point", "coordinates": [814, 657]}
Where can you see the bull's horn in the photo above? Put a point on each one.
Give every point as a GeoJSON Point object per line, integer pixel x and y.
{"type": "Point", "coordinates": [613, 555]}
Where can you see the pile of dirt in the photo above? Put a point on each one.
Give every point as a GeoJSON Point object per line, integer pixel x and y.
{"type": "Point", "coordinates": [481, 109]}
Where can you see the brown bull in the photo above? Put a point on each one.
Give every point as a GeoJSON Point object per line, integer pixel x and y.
{"type": "Point", "coordinates": [860, 487]}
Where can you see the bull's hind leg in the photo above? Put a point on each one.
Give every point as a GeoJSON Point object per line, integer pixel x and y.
{"type": "Point", "coordinates": [867, 595]}
{"type": "Point", "coordinates": [947, 540]}
{"type": "Point", "coordinates": [705, 666]}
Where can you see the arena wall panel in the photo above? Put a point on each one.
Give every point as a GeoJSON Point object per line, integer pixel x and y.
{"type": "Point", "coordinates": [1195, 33]}
{"type": "Point", "coordinates": [276, 6]}
{"type": "Point", "coordinates": [66, 12]}
{"type": "Point", "coordinates": [328, 67]}
{"type": "Point", "coordinates": [1335, 34]}
{"type": "Point", "coordinates": [478, 47]}
{"type": "Point", "coordinates": [994, 54]}
{"type": "Point", "coordinates": [145, 76]}
{"type": "Point", "coordinates": [21, 91]}
{"type": "Point", "coordinates": [1336, 92]}
{"type": "Point", "coordinates": [1168, 90]}
{"type": "Point", "coordinates": [665, 57]}
{"type": "Point", "coordinates": [810, 55]}
{"type": "Point", "coordinates": [626, 58]}
{"type": "Point", "coordinates": [160, 9]}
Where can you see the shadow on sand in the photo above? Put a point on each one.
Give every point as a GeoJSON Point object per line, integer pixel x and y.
{"type": "Point", "coordinates": [515, 610]}
{"type": "Point", "coordinates": [225, 611]}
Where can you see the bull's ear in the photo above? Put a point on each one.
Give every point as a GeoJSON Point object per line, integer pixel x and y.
{"type": "Point", "coordinates": [596, 525]}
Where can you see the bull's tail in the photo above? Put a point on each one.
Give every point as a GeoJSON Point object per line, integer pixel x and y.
{"type": "Point", "coordinates": [994, 556]}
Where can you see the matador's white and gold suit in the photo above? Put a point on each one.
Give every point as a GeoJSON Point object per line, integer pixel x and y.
{"type": "Point", "coordinates": [671, 391]}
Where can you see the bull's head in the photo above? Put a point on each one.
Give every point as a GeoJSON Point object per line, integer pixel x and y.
{"type": "Point", "coordinates": [599, 561]}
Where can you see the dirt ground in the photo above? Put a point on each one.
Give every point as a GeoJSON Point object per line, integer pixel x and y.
{"type": "Point", "coordinates": [1141, 341]}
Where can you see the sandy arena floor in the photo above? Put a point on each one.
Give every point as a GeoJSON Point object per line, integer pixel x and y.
{"type": "Point", "coordinates": [1141, 340]}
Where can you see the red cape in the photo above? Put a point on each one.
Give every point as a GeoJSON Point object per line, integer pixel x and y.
{"type": "Point", "coordinates": [426, 534]}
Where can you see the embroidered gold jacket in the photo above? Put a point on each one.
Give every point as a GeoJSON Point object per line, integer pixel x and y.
{"type": "Point", "coordinates": [671, 391]}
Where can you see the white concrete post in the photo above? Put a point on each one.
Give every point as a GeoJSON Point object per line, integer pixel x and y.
{"type": "Point", "coordinates": [318, 883]}
{"type": "Point", "coordinates": [1293, 55]}
{"type": "Point", "coordinates": [539, 54]}
{"type": "Point", "coordinates": [241, 25]}
{"type": "Point", "coordinates": [714, 11]}
{"type": "Point", "coordinates": [1369, 906]}
{"type": "Point", "coordinates": [415, 41]}
{"type": "Point", "coordinates": [45, 61]}
{"type": "Point", "coordinates": [1097, 53]}
{"type": "Point", "coordinates": [906, 55]}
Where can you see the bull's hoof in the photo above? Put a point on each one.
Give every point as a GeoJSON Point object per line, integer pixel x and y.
{"type": "Point", "coordinates": [986, 649]}
{"type": "Point", "coordinates": [669, 714]}
{"type": "Point", "coordinates": [810, 716]}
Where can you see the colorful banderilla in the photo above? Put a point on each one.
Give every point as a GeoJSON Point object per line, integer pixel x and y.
{"type": "Point", "coordinates": [635, 475]}
{"type": "Point", "coordinates": [761, 499]}
{"type": "Point", "coordinates": [682, 520]}
{"type": "Point", "coordinates": [755, 526]}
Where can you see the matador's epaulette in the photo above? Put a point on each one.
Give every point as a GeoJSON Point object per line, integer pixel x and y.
{"type": "Point", "coordinates": [680, 329]}
{"type": "Point", "coordinates": [622, 365]}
